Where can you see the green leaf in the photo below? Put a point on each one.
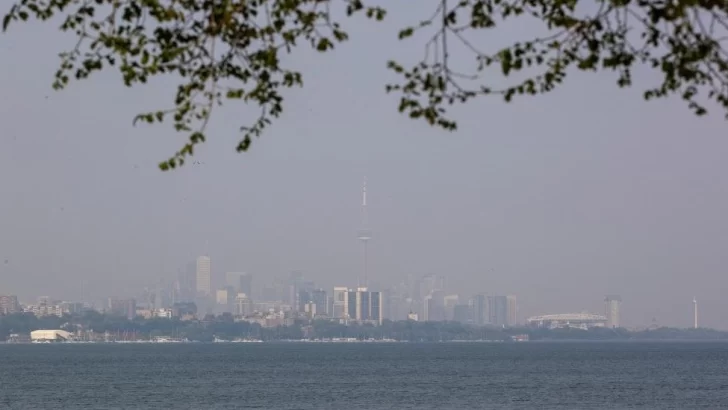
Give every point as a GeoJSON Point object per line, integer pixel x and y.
{"type": "Point", "coordinates": [406, 33]}
{"type": "Point", "coordinates": [324, 44]}
{"type": "Point", "coordinates": [6, 19]}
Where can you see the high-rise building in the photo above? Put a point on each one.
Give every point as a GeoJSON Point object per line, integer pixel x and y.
{"type": "Point", "coordinates": [225, 298]}
{"type": "Point", "coordinates": [240, 281]}
{"type": "Point", "coordinates": [243, 305]}
{"type": "Point", "coordinates": [611, 310]}
{"type": "Point", "coordinates": [479, 306]}
{"type": "Point", "coordinates": [187, 283]}
{"type": "Point", "coordinates": [246, 284]}
{"type": "Point", "coordinates": [434, 307]}
{"type": "Point", "coordinates": [122, 307]}
{"type": "Point", "coordinates": [321, 300]}
{"type": "Point", "coordinates": [512, 311]}
{"type": "Point", "coordinates": [463, 314]}
{"type": "Point", "coordinates": [450, 301]}
{"type": "Point", "coordinates": [498, 310]}
{"type": "Point", "coordinates": [300, 293]}
{"type": "Point", "coordinates": [339, 302]}
{"type": "Point", "coordinates": [364, 306]}
{"type": "Point", "coordinates": [427, 284]}
{"type": "Point", "coordinates": [203, 275]}
{"type": "Point", "coordinates": [9, 305]}
{"type": "Point", "coordinates": [397, 306]}
{"type": "Point", "coordinates": [232, 279]}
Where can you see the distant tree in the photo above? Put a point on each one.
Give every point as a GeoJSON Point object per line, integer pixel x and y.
{"type": "Point", "coordinates": [224, 50]}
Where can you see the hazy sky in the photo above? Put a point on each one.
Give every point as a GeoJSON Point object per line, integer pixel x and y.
{"type": "Point", "coordinates": [559, 199]}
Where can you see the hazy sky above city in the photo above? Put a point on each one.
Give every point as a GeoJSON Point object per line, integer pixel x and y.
{"type": "Point", "coordinates": [558, 199]}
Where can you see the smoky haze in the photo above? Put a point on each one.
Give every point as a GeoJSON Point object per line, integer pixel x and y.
{"type": "Point", "coordinates": [559, 199]}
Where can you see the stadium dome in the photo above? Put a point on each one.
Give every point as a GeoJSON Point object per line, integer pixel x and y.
{"type": "Point", "coordinates": [564, 320]}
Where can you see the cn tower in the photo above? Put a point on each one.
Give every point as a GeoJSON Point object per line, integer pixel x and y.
{"type": "Point", "coordinates": [365, 234]}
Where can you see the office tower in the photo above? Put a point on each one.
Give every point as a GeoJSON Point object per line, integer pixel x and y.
{"type": "Point", "coordinates": [434, 307]}
{"type": "Point", "coordinates": [364, 306]}
{"type": "Point", "coordinates": [246, 284]}
{"type": "Point", "coordinates": [512, 314]}
{"type": "Point", "coordinates": [9, 304]}
{"type": "Point", "coordinates": [498, 310]}
{"type": "Point", "coordinates": [232, 279]}
{"type": "Point", "coordinates": [450, 301]}
{"type": "Point", "coordinates": [240, 281]}
{"type": "Point", "coordinates": [309, 309]}
{"type": "Point", "coordinates": [203, 275]}
{"type": "Point", "coordinates": [396, 306]}
{"type": "Point", "coordinates": [426, 286]}
{"type": "Point", "coordinates": [611, 310]}
{"type": "Point", "coordinates": [339, 302]}
{"type": "Point", "coordinates": [321, 300]}
{"type": "Point", "coordinates": [463, 314]}
{"type": "Point", "coordinates": [365, 234]}
{"type": "Point", "coordinates": [243, 305]}
{"type": "Point", "coordinates": [221, 296]}
{"type": "Point", "coordinates": [122, 307]}
{"type": "Point", "coordinates": [187, 279]}
{"type": "Point", "coordinates": [293, 288]}
{"type": "Point", "coordinates": [479, 306]}
{"type": "Point", "coordinates": [225, 298]}
{"type": "Point", "coordinates": [280, 288]}
{"type": "Point", "coordinates": [299, 291]}
{"type": "Point", "coordinates": [304, 296]}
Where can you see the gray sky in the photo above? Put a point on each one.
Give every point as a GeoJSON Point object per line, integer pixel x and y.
{"type": "Point", "coordinates": [559, 199]}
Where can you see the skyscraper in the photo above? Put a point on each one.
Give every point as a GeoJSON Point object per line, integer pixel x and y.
{"type": "Point", "coordinates": [240, 281]}
{"type": "Point", "coordinates": [479, 306]}
{"type": "Point", "coordinates": [339, 305]}
{"type": "Point", "coordinates": [321, 300]}
{"type": "Point", "coordinates": [498, 310]}
{"type": "Point", "coordinates": [463, 314]}
{"type": "Point", "coordinates": [203, 276]}
{"type": "Point", "coordinates": [364, 306]}
{"type": "Point", "coordinates": [433, 307]}
{"type": "Point", "coordinates": [246, 284]}
{"type": "Point", "coordinates": [611, 310]}
{"type": "Point", "coordinates": [188, 283]}
{"type": "Point", "coordinates": [512, 311]}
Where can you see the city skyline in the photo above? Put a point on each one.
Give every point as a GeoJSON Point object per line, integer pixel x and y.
{"type": "Point", "coordinates": [541, 198]}
{"type": "Point", "coordinates": [204, 278]}
{"type": "Point", "coordinates": [428, 289]}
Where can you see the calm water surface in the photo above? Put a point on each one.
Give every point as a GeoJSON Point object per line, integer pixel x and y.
{"type": "Point", "coordinates": [577, 376]}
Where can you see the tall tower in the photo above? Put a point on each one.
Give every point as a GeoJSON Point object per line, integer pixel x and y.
{"type": "Point", "coordinates": [611, 310]}
{"type": "Point", "coordinates": [695, 313]}
{"type": "Point", "coordinates": [203, 276]}
{"type": "Point", "coordinates": [365, 234]}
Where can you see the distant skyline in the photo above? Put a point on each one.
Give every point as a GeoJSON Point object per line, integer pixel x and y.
{"type": "Point", "coordinates": [560, 199]}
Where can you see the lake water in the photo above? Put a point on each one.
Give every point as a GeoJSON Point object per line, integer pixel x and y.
{"type": "Point", "coordinates": [579, 376]}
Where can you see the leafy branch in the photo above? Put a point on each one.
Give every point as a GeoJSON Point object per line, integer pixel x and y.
{"type": "Point", "coordinates": [683, 41]}
{"type": "Point", "coordinates": [221, 50]}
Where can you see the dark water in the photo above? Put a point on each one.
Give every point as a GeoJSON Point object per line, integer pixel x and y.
{"type": "Point", "coordinates": [576, 376]}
